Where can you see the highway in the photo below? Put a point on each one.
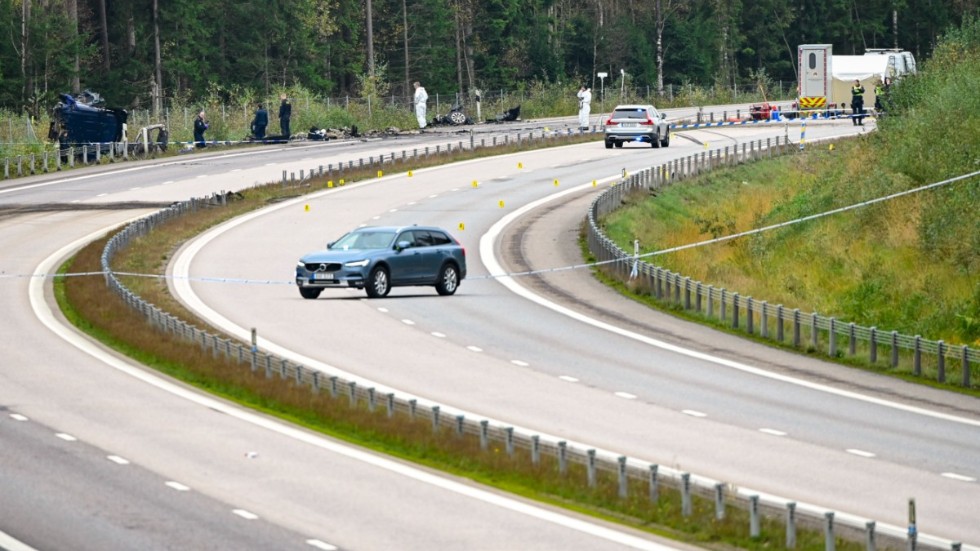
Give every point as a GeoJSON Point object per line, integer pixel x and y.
{"type": "Point", "coordinates": [796, 433]}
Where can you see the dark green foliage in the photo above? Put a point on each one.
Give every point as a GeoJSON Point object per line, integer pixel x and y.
{"type": "Point", "coordinates": [452, 45]}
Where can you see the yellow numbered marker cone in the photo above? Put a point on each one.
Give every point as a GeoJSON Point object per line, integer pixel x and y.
{"type": "Point", "coordinates": [831, 147]}
{"type": "Point", "coordinates": [501, 204]}
{"type": "Point", "coordinates": [556, 182]}
{"type": "Point", "coordinates": [706, 145]}
{"type": "Point", "coordinates": [476, 184]}
{"type": "Point", "coordinates": [409, 173]}
{"type": "Point", "coordinates": [462, 226]}
{"type": "Point", "coordinates": [306, 208]}
{"type": "Point", "coordinates": [593, 183]}
{"type": "Point", "coordinates": [329, 183]}
{"type": "Point", "coordinates": [341, 181]}
{"type": "Point", "coordinates": [380, 174]}
{"type": "Point", "coordinates": [520, 165]}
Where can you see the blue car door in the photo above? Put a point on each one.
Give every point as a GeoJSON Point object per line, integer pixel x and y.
{"type": "Point", "coordinates": [404, 263]}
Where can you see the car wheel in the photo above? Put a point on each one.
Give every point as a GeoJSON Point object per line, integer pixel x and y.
{"type": "Point", "coordinates": [309, 292]}
{"type": "Point", "coordinates": [655, 141]}
{"type": "Point", "coordinates": [666, 141]}
{"type": "Point", "coordinates": [619, 144]}
{"type": "Point", "coordinates": [457, 117]}
{"type": "Point", "coordinates": [609, 144]}
{"type": "Point", "coordinates": [378, 283]}
{"type": "Point", "coordinates": [448, 280]}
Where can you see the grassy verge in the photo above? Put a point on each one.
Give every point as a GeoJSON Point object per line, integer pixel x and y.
{"type": "Point", "coordinates": [91, 307]}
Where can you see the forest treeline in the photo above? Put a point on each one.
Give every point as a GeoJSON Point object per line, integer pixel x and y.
{"type": "Point", "coordinates": [143, 53]}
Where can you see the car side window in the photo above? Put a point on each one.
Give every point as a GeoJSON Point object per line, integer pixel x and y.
{"type": "Point", "coordinates": [407, 236]}
{"type": "Point", "coordinates": [439, 238]}
{"type": "Point", "coordinates": [423, 238]}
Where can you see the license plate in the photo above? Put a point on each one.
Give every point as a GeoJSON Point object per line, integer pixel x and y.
{"type": "Point", "coordinates": [323, 275]}
{"type": "Point", "coordinates": [629, 125]}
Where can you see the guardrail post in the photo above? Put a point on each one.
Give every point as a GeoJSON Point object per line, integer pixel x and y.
{"type": "Point", "coordinates": [484, 434]}
{"type": "Point", "coordinates": [590, 467]}
{"type": "Point", "coordinates": [917, 355]}
{"type": "Point", "coordinates": [686, 494]}
{"type": "Point", "coordinates": [535, 449]}
{"type": "Point", "coordinates": [852, 338]}
{"type": "Point", "coordinates": [764, 319]}
{"type": "Point", "coordinates": [391, 404]}
{"type": "Point", "coordinates": [873, 346]}
{"type": "Point", "coordinates": [370, 395]}
{"type": "Point", "coordinates": [749, 320]}
{"type": "Point", "coordinates": [654, 483]}
{"type": "Point", "coordinates": [509, 440]}
{"type": "Point", "coordinates": [435, 418]}
{"type": "Point", "coordinates": [352, 393]}
{"type": "Point", "coordinates": [719, 501]}
{"type": "Point", "coordinates": [869, 536]}
{"type": "Point", "coordinates": [796, 327]}
{"type": "Point", "coordinates": [894, 348]}
{"type": "Point", "coordinates": [698, 289]}
{"type": "Point", "coordinates": [460, 425]}
{"type": "Point", "coordinates": [791, 525]}
{"type": "Point", "coordinates": [830, 543]}
{"type": "Point", "coordinates": [723, 305]}
{"type": "Point", "coordinates": [833, 338]}
{"type": "Point", "coordinates": [687, 293]}
{"type": "Point", "coordinates": [779, 322]}
{"type": "Point", "coordinates": [754, 531]}
{"type": "Point", "coordinates": [412, 406]}
{"type": "Point", "coordinates": [623, 479]}
{"type": "Point", "coordinates": [735, 310]}
{"type": "Point", "coordinates": [965, 365]}
{"type": "Point", "coordinates": [562, 457]}
{"type": "Point", "coordinates": [941, 361]}
{"type": "Point", "coordinates": [333, 386]}
{"type": "Point", "coordinates": [711, 301]}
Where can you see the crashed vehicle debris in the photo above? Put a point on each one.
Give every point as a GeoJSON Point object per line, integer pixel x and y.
{"type": "Point", "coordinates": [82, 121]}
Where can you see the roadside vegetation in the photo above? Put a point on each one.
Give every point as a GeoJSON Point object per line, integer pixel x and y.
{"type": "Point", "coordinates": [90, 306]}
{"type": "Point", "coordinates": [909, 264]}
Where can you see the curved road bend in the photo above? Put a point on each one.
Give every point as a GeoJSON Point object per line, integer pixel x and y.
{"type": "Point", "coordinates": [762, 419]}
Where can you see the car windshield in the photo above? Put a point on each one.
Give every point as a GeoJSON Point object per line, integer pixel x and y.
{"type": "Point", "coordinates": [364, 240]}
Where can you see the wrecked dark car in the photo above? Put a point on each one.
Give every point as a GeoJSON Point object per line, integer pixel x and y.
{"type": "Point", "coordinates": [78, 121]}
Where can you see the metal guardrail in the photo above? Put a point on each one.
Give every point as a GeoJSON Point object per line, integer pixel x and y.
{"type": "Point", "coordinates": [632, 477]}
{"type": "Point", "coordinates": [802, 330]}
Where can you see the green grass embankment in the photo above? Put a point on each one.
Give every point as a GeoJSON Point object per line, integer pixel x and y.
{"type": "Point", "coordinates": [910, 264]}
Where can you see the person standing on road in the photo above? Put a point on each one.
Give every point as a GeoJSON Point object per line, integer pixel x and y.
{"type": "Point", "coordinates": [419, 100]}
{"type": "Point", "coordinates": [857, 103]}
{"type": "Point", "coordinates": [200, 125]}
{"type": "Point", "coordinates": [285, 112]}
{"type": "Point", "coordinates": [584, 107]}
{"type": "Point", "coordinates": [260, 122]}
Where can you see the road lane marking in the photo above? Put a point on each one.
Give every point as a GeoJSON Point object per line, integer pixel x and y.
{"type": "Point", "coordinates": [960, 477]}
{"type": "Point", "coordinates": [408, 322]}
{"type": "Point", "coordinates": [694, 413]}
{"type": "Point", "coordinates": [117, 460]}
{"type": "Point", "coordinates": [438, 334]}
{"type": "Point", "coordinates": [178, 486]}
{"type": "Point", "coordinates": [568, 379]}
{"type": "Point", "coordinates": [66, 437]}
{"type": "Point", "coordinates": [247, 515]}
{"type": "Point", "coordinates": [626, 395]}
{"type": "Point", "coordinates": [519, 363]}
{"type": "Point", "coordinates": [321, 545]}
{"type": "Point", "coordinates": [18, 417]}
{"type": "Point", "coordinates": [860, 453]}
{"type": "Point", "coordinates": [474, 348]}
{"type": "Point", "coordinates": [773, 432]}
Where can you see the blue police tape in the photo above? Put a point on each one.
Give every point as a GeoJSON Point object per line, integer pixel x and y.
{"type": "Point", "coordinates": [821, 115]}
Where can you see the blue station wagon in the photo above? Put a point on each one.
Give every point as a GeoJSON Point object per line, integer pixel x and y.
{"type": "Point", "coordinates": [378, 258]}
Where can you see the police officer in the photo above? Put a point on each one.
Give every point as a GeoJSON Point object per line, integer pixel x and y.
{"type": "Point", "coordinates": [260, 122]}
{"type": "Point", "coordinates": [285, 113]}
{"type": "Point", "coordinates": [857, 103]}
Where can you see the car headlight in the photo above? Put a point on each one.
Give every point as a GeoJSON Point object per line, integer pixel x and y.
{"type": "Point", "coordinates": [356, 263]}
{"type": "Point", "coordinates": [300, 264]}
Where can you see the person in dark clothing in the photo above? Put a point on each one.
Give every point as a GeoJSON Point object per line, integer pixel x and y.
{"type": "Point", "coordinates": [200, 125]}
{"type": "Point", "coordinates": [285, 112]}
{"type": "Point", "coordinates": [857, 103]}
{"type": "Point", "coordinates": [260, 122]}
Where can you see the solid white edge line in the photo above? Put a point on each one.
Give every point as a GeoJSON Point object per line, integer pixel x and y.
{"type": "Point", "coordinates": [8, 543]}
{"type": "Point", "coordinates": [960, 477]}
{"type": "Point", "coordinates": [181, 268]}
{"type": "Point", "coordinates": [44, 314]}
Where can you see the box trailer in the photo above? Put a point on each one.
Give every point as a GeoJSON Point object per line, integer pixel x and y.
{"type": "Point", "coordinates": [825, 79]}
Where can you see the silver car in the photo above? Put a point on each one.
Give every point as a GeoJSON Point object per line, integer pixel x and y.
{"type": "Point", "coordinates": [637, 124]}
{"type": "Point", "coordinates": [378, 258]}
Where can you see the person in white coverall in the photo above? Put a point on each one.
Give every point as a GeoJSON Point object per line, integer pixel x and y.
{"type": "Point", "coordinates": [420, 98]}
{"type": "Point", "coordinates": [584, 106]}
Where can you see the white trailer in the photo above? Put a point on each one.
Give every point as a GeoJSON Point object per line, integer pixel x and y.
{"type": "Point", "coordinates": [825, 80]}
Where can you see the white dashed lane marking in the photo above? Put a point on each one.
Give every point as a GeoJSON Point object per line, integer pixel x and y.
{"type": "Point", "coordinates": [860, 453]}
{"type": "Point", "coordinates": [247, 515]}
{"type": "Point", "coordinates": [519, 363]}
{"type": "Point", "coordinates": [178, 486]}
{"type": "Point", "coordinates": [438, 334]}
{"type": "Point", "coordinates": [773, 432]}
{"type": "Point", "coordinates": [960, 477]}
{"type": "Point", "coordinates": [18, 417]}
{"type": "Point", "coordinates": [474, 348]}
{"type": "Point", "coordinates": [66, 437]}
{"type": "Point", "coordinates": [117, 460]}
{"type": "Point", "coordinates": [694, 413]}
{"type": "Point", "coordinates": [626, 395]}
{"type": "Point", "coordinates": [321, 545]}
{"type": "Point", "coordinates": [568, 379]}
{"type": "Point", "coordinates": [408, 322]}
